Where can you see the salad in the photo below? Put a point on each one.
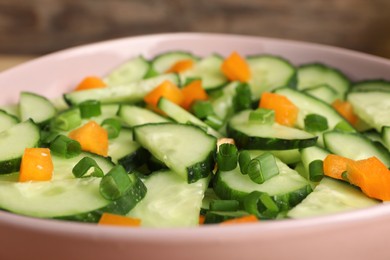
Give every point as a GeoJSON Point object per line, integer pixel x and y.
{"type": "Point", "coordinates": [182, 141]}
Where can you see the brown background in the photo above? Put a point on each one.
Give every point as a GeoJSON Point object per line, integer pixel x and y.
{"type": "Point", "coordinates": [42, 26]}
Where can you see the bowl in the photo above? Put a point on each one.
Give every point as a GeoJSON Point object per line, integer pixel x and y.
{"type": "Point", "coordinates": [360, 234]}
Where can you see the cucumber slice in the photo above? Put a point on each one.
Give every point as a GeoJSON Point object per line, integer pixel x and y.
{"type": "Point", "coordinates": [377, 85]}
{"type": "Point", "coordinates": [287, 189]}
{"type": "Point", "coordinates": [130, 93]}
{"type": "Point", "coordinates": [122, 145]}
{"type": "Point", "coordinates": [266, 137]}
{"type": "Point", "coordinates": [355, 146]}
{"type": "Point", "coordinates": [374, 136]}
{"type": "Point", "coordinates": [385, 134]}
{"type": "Point", "coordinates": [14, 140]}
{"type": "Point", "coordinates": [7, 120]}
{"type": "Point", "coordinates": [185, 149]}
{"type": "Point", "coordinates": [223, 104]}
{"type": "Point", "coordinates": [71, 199]}
{"type": "Point", "coordinates": [329, 197]}
{"type": "Point", "coordinates": [107, 111]}
{"type": "Point", "coordinates": [170, 201]}
{"type": "Point", "coordinates": [12, 109]}
{"type": "Point", "coordinates": [133, 70]}
{"type": "Point", "coordinates": [270, 72]}
{"type": "Point", "coordinates": [182, 116]}
{"type": "Point", "coordinates": [310, 154]}
{"type": "Point", "coordinates": [311, 105]}
{"type": "Point", "coordinates": [52, 198]}
{"type": "Point", "coordinates": [133, 116]}
{"type": "Point", "coordinates": [315, 74]}
{"type": "Point", "coordinates": [287, 156]}
{"type": "Point", "coordinates": [373, 107]}
{"type": "Point", "coordinates": [209, 71]}
{"type": "Point", "coordinates": [36, 107]}
{"type": "Point", "coordinates": [59, 103]}
{"type": "Point", "coordinates": [322, 92]}
{"type": "Point", "coordinates": [165, 61]}
{"type": "Point", "coordinates": [63, 166]}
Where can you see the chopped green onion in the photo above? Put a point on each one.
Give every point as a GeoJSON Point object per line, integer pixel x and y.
{"type": "Point", "coordinates": [243, 98]}
{"type": "Point", "coordinates": [214, 122]}
{"type": "Point", "coordinates": [67, 120]}
{"type": "Point", "coordinates": [113, 127]}
{"type": "Point", "coordinates": [316, 170]}
{"type": "Point", "coordinates": [315, 123]}
{"type": "Point", "coordinates": [65, 146]}
{"type": "Point", "coordinates": [213, 217]}
{"type": "Point", "coordinates": [344, 127]}
{"type": "Point", "coordinates": [250, 203]}
{"type": "Point", "coordinates": [262, 168]}
{"type": "Point", "coordinates": [227, 157]}
{"type": "Point", "coordinates": [90, 108]}
{"type": "Point", "coordinates": [224, 205]}
{"type": "Point", "coordinates": [262, 116]}
{"type": "Point", "coordinates": [84, 166]}
{"type": "Point", "coordinates": [202, 109]}
{"type": "Point", "coordinates": [261, 205]}
{"type": "Point", "coordinates": [48, 136]}
{"type": "Point", "coordinates": [115, 183]}
{"type": "Point", "coordinates": [244, 159]}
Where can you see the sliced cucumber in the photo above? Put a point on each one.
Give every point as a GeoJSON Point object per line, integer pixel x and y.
{"type": "Point", "coordinates": [329, 197]}
{"type": "Point", "coordinates": [36, 107]}
{"type": "Point", "coordinates": [14, 140]}
{"type": "Point", "coordinates": [7, 120]}
{"type": "Point", "coordinates": [287, 188]}
{"type": "Point", "coordinates": [208, 70]}
{"type": "Point", "coordinates": [310, 154]}
{"type": "Point", "coordinates": [376, 85]}
{"type": "Point", "coordinates": [314, 74]}
{"type": "Point", "coordinates": [72, 199]}
{"type": "Point", "coordinates": [266, 137]}
{"type": "Point", "coordinates": [374, 136]}
{"type": "Point", "coordinates": [129, 93]}
{"type": "Point", "coordinates": [322, 92]}
{"type": "Point", "coordinates": [170, 201]}
{"type": "Point", "coordinates": [185, 149]}
{"type": "Point", "coordinates": [133, 70]}
{"type": "Point", "coordinates": [182, 116]}
{"type": "Point", "coordinates": [52, 198]}
{"type": "Point", "coordinates": [355, 146]}
{"type": "Point", "coordinates": [165, 61]}
{"type": "Point", "coordinates": [12, 109]}
{"type": "Point", "coordinates": [107, 111]}
{"type": "Point", "coordinates": [385, 134]}
{"type": "Point", "coordinates": [133, 116]}
{"type": "Point", "coordinates": [311, 105]}
{"type": "Point", "coordinates": [122, 145]}
{"type": "Point", "coordinates": [270, 72]}
{"type": "Point", "coordinates": [287, 156]}
{"type": "Point", "coordinates": [223, 104]}
{"type": "Point", "coordinates": [373, 107]}
{"type": "Point", "coordinates": [63, 166]}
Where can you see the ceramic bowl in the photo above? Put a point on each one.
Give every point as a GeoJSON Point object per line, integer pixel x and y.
{"type": "Point", "coordinates": [362, 234]}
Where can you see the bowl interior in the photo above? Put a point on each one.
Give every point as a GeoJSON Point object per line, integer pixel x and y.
{"type": "Point", "coordinates": [57, 73]}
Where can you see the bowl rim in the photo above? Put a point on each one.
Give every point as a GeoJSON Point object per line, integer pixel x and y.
{"type": "Point", "coordinates": [207, 232]}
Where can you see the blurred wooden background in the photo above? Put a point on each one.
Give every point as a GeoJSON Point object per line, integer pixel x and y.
{"type": "Point", "coordinates": [41, 26]}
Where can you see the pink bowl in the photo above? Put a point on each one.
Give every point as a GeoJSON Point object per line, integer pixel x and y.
{"type": "Point", "coordinates": [361, 234]}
